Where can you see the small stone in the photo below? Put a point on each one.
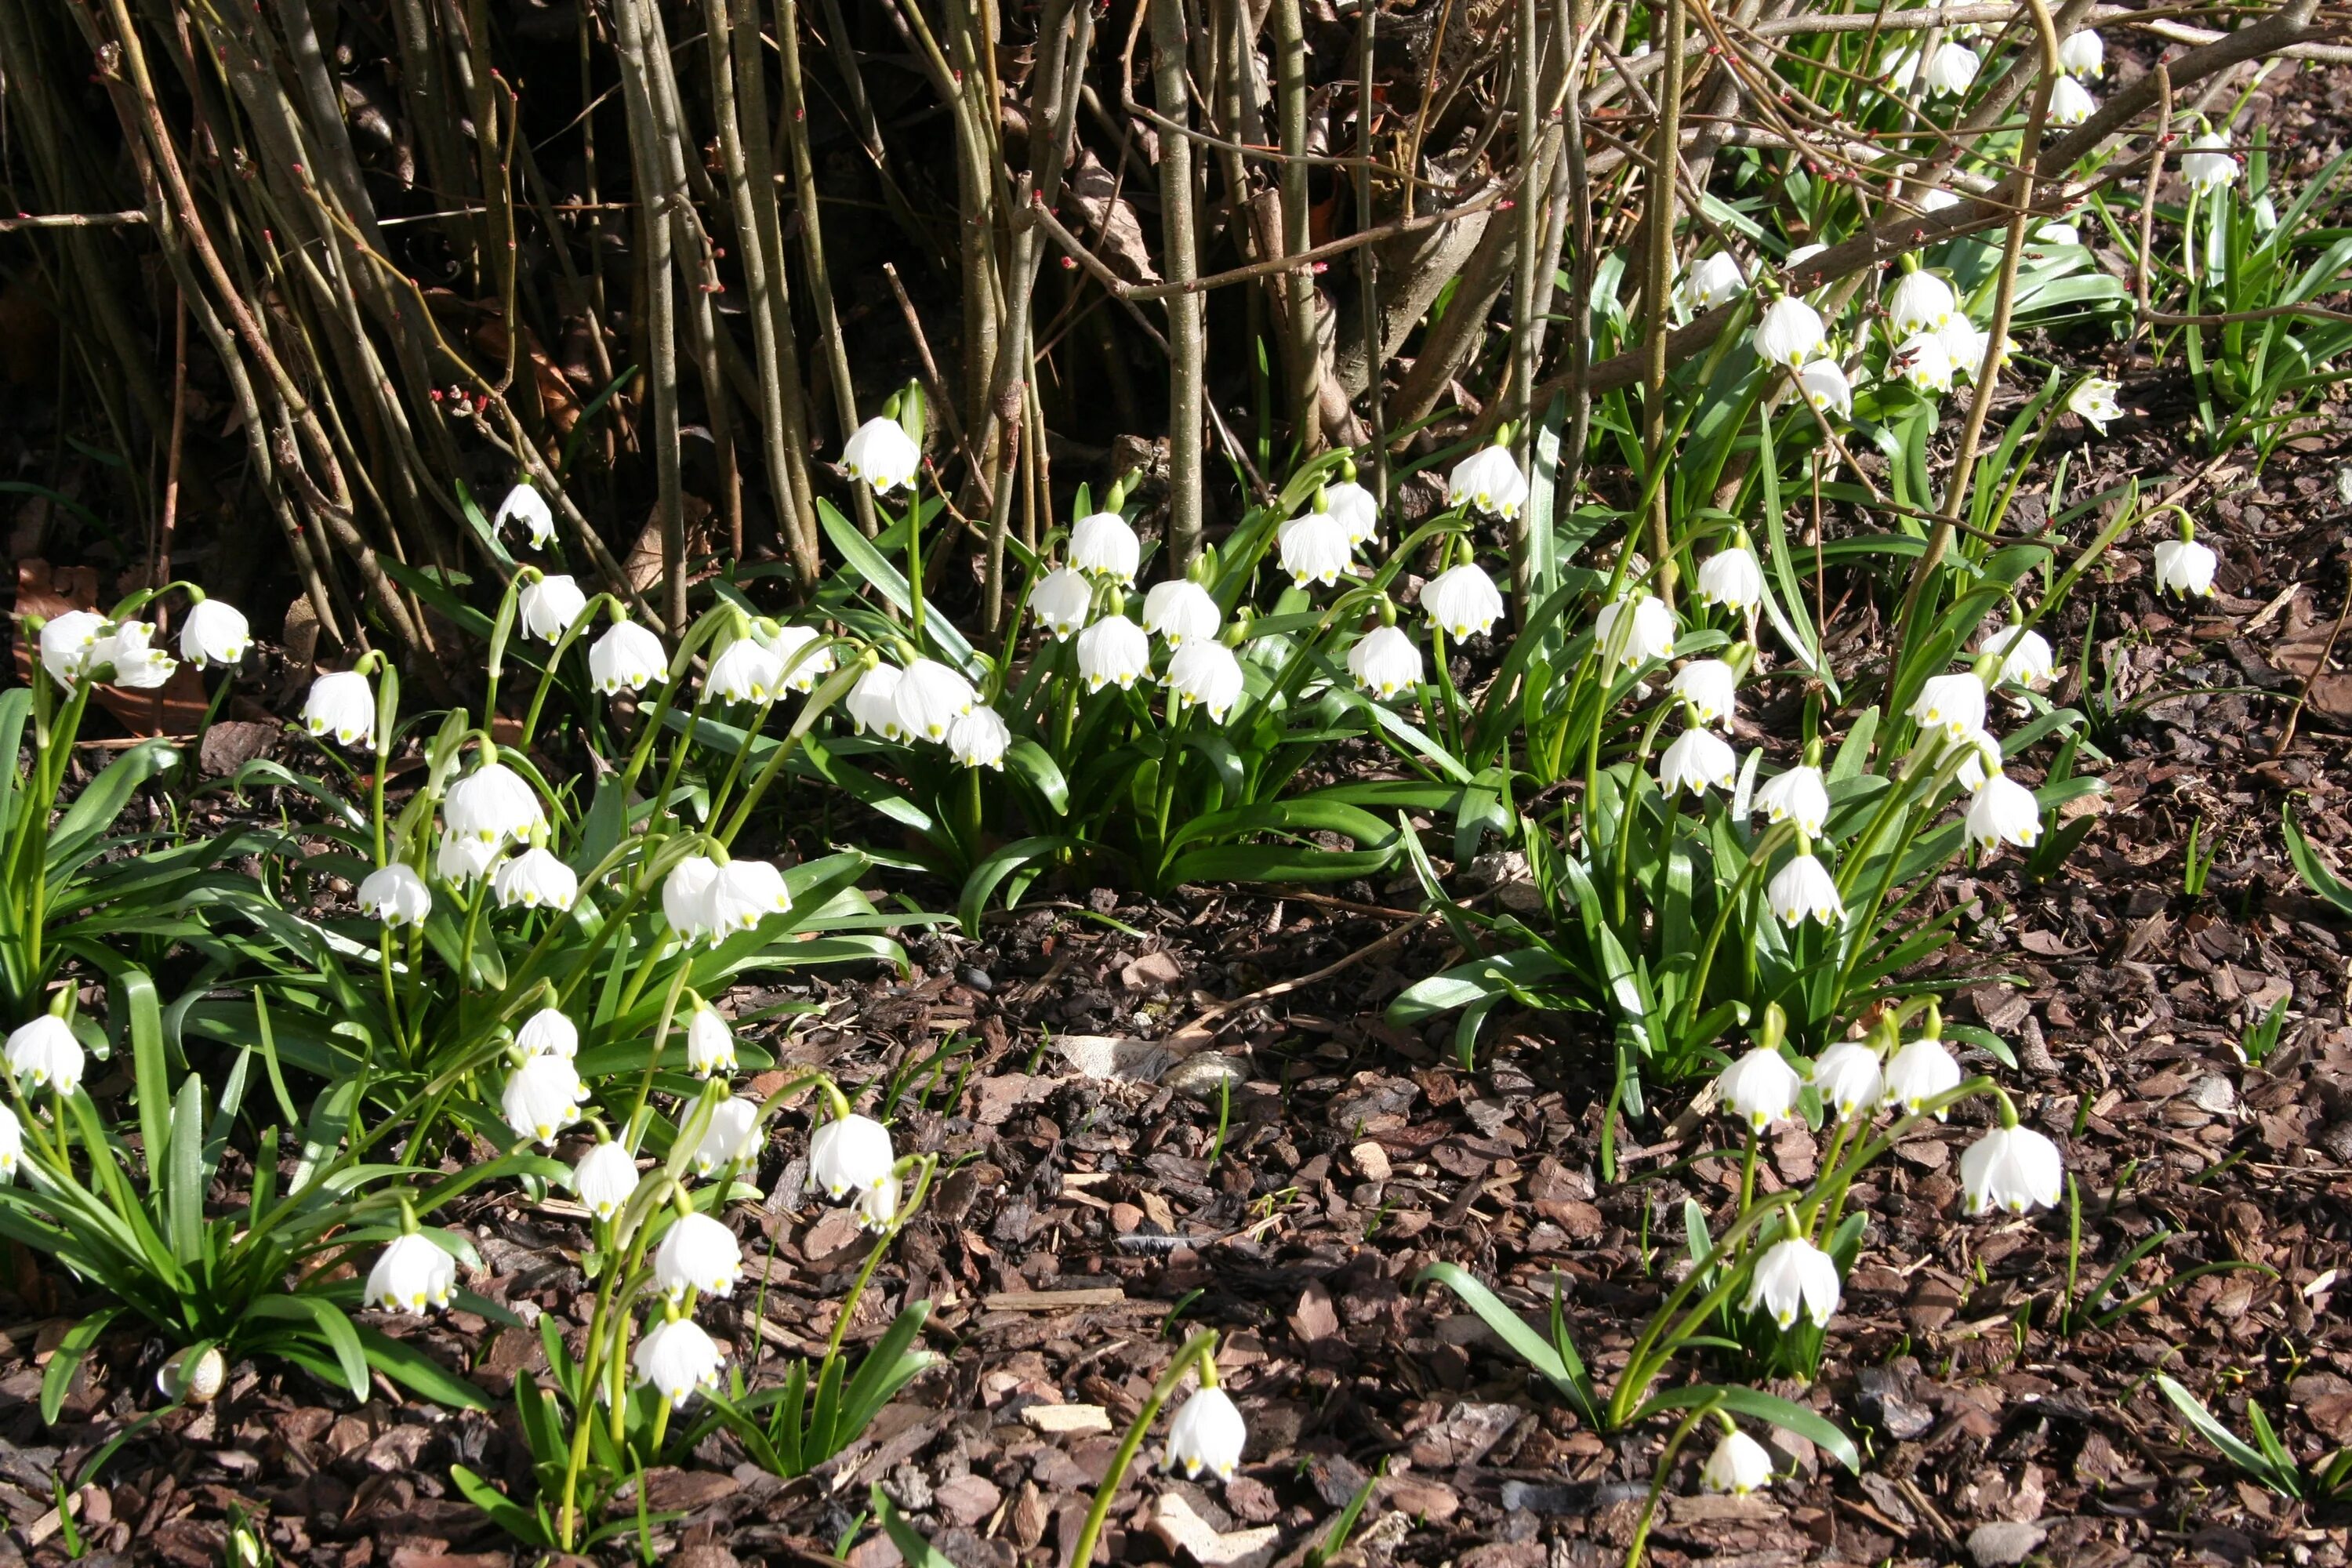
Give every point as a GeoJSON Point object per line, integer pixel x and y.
{"type": "Point", "coordinates": [977, 979]}
{"type": "Point", "coordinates": [1371, 1160]}
{"type": "Point", "coordinates": [2004, 1544]}
{"type": "Point", "coordinates": [1205, 1075]}
{"type": "Point", "coordinates": [2214, 1093]}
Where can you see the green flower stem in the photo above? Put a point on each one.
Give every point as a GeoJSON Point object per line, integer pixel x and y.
{"type": "Point", "coordinates": [915, 569]}
{"type": "Point", "coordinates": [634, 1129]}
{"type": "Point", "coordinates": [1691, 1419]}
{"type": "Point", "coordinates": [1629, 805]}
{"type": "Point", "coordinates": [1658, 1340]}
{"type": "Point", "coordinates": [1200, 1350]}
{"type": "Point", "coordinates": [837, 686]}
{"type": "Point", "coordinates": [1757, 859]}
{"type": "Point", "coordinates": [923, 1164]}
{"type": "Point", "coordinates": [1827, 1198]}
{"type": "Point", "coordinates": [556, 661]}
{"type": "Point", "coordinates": [681, 665]}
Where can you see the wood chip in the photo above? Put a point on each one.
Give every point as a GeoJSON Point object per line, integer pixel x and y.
{"type": "Point", "coordinates": [1055, 1300]}
{"type": "Point", "coordinates": [1054, 1420]}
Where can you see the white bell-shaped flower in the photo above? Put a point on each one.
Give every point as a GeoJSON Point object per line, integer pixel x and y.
{"type": "Point", "coordinates": [2209, 165]}
{"type": "Point", "coordinates": [535, 879]}
{"type": "Point", "coordinates": [1804, 887]}
{"type": "Point", "coordinates": [744, 893]}
{"type": "Point", "coordinates": [544, 1097]}
{"type": "Point", "coordinates": [137, 666]}
{"type": "Point", "coordinates": [1314, 549]}
{"type": "Point", "coordinates": [1114, 651]}
{"type": "Point", "coordinates": [1635, 630]}
{"type": "Point", "coordinates": [2011, 1168]}
{"type": "Point", "coordinates": [1759, 1088]}
{"type": "Point", "coordinates": [2082, 54]}
{"type": "Point", "coordinates": [1847, 1076]}
{"type": "Point", "coordinates": [1207, 1434]}
{"type": "Point", "coordinates": [1919, 302]}
{"type": "Point", "coordinates": [411, 1275]}
{"type": "Point", "coordinates": [1711, 688]}
{"type": "Point", "coordinates": [69, 640]}
{"type": "Point", "coordinates": [12, 1142]}
{"type": "Point", "coordinates": [877, 1206]}
{"type": "Point", "coordinates": [686, 897]}
{"type": "Point", "coordinates": [930, 698]}
{"type": "Point", "coordinates": [1732, 578]}
{"type": "Point", "coordinates": [1358, 509]}
{"type": "Point", "coordinates": [1061, 601]}
{"type": "Point", "coordinates": [1790, 332]}
{"type": "Point", "coordinates": [1385, 661]}
{"type": "Point", "coordinates": [1917, 1074]}
{"type": "Point", "coordinates": [1712, 281]}
{"type": "Point", "coordinates": [213, 633]}
{"type": "Point", "coordinates": [1964, 345]}
{"type": "Point", "coordinates": [1488, 480]}
{"type": "Point", "coordinates": [493, 804]}
{"type": "Point", "coordinates": [709, 1044]}
{"type": "Point", "coordinates": [44, 1054]}
{"type": "Point", "coordinates": [1180, 611]}
{"type": "Point", "coordinates": [1952, 703]}
{"type": "Point", "coordinates": [1464, 600]}
{"type": "Point", "coordinates": [1798, 795]}
{"type": "Point", "coordinates": [675, 1358]}
{"type": "Point", "coordinates": [1740, 1465]}
{"type": "Point", "coordinates": [548, 606]}
{"type": "Point", "coordinates": [2071, 103]}
{"type": "Point", "coordinates": [849, 1154]}
{"type": "Point", "coordinates": [1981, 761]}
{"type": "Point", "coordinates": [627, 657]}
{"type": "Point", "coordinates": [744, 671]}
{"type": "Point", "coordinates": [459, 860]}
{"type": "Point", "coordinates": [341, 704]}
{"type": "Point", "coordinates": [979, 740]}
{"type": "Point", "coordinates": [881, 454]}
{"type": "Point", "coordinates": [697, 1253]}
{"type": "Point", "coordinates": [1952, 69]}
{"type": "Point", "coordinates": [526, 506]}
{"type": "Point", "coordinates": [605, 1179]}
{"type": "Point", "coordinates": [1792, 1278]}
{"type": "Point", "coordinates": [2186, 567]}
{"type": "Point", "coordinates": [804, 657]}
{"type": "Point", "coordinates": [1698, 757]}
{"type": "Point", "coordinates": [548, 1033]}
{"type": "Point", "coordinates": [731, 1137]}
{"type": "Point", "coordinates": [1826, 388]}
{"type": "Point", "coordinates": [2026, 656]}
{"type": "Point", "coordinates": [395, 894]}
{"type": "Point", "coordinates": [1925, 362]}
{"type": "Point", "coordinates": [2093, 400]}
{"type": "Point", "coordinates": [1103, 545]}
{"type": "Point", "coordinates": [2002, 811]}
{"type": "Point", "coordinates": [874, 703]}
{"type": "Point", "coordinates": [1206, 673]}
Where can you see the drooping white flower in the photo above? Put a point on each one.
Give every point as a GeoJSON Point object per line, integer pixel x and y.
{"type": "Point", "coordinates": [1314, 549]}
{"type": "Point", "coordinates": [1114, 651]}
{"type": "Point", "coordinates": [492, 803]}
{"type": "Point", "coordinates": [1731, 577]}
{"type": "Point", "coordinates": [526, 506]}
{"type": "Point", "coordinates": [2184, 566]}
{"type": "Point", "coordinates": [627, 657]}
{"type": "Point", "coordinates": [410, 1275]}
{"type": "Point", "coordinates": [873, 703]}
{"type": "Point", "coordinates": [548, 606]}
{"type": "Point", "coordinates": [1790, 332]}
{"type": "Point", "coordinates": [1793, 1276]}
{"type": "Point", "coordinates": [1952, 703]}
{"type": "Point", "coordinates": [2003, 811]}
{"type": "Point", "coordinates": [1826, 388]}
{"type": "Point", "coordinates": [1759, 1088]}
{"type": "Point", "coordinates": [1925, 362]}
{"type": "Point", "coordinates": [1952, 69]}
{"type": "Point", "coordinates": [548, 1033]}
{"type": "Point", "coordinates": [1464, 600]}
{"type": "Point", "coordinates": [1798, 795]}
{"type": "Point", "coordinates": [1919, 302]}
{"type": "Point", "coordinates": [744, 893]}
{"type": "Point", "coordinates": [849, 1154]}
{"type": "Point", "coordinates": [395, 894]}
{"type": "Point", "coordinates": [1356, 508]}
{"type": "Point", "coordinates": [2057, 232]}
{"type": "Point", "coordinates": [802, 664]}
{"type": "Point", "coordinates": [744, 671]}
{"type": "Point", "coordinates": [1208, 1434]}
{"type": "Point", "coordinates": [1060, 601]}
{"type": "Point", "coordinates": [1635, 630]}
{"type": "Point", "coordinates": [1698, 757]}
{"type": "Point", "coordinates": [1489, 480]}
{"type": "Point", "coordinates": [1206, 673]}
{"type": "Point", "coordinates": [1103, 545]}
{"type": "Point", "coordinates": [675, 1358]}
{"type": "Point", "coordinates": [729, 1138]}
{"type": "Point", "coordinates": [137, 665]}
{"type": "Point", "coordinates": [2011, 1168]}
{"type": "Point", "coordinates": [214, 633]}
{"type": "Point", "coordinates": [1740, 1465]}
{"type": "Point", "coordinates": [686, 897]}
{"type": "Point", "coordinates": [2071, 103]}
{"type": "Point", "coordinates": [709, 1044]}
{"type": "Point", "coordinates": [697, 1253]}
{"type": "Point", "coordinates": [1181, 611]}
{"type": "Point", "coordinates": [2209, 165]}
{"type": "Point", "coordinates": [2082, 54]}
{"type": "Point", "coordinates": [2094, 401]}
{"type": "Point", "coordinates": [1935, 198]}
{"type": "Point", "coordinates": [1385, 661]}
{"type": "Point", "coordinates": [1917, 1074]}
{"type": "Point", "coordinates": [930, 698]}
{"type": "Point", "coordinates": [1804, 887]}
{"type": "Point", "coordinates": [877, 1207]}
{"type": "Point", "coordinates": [1898, 67]}
{"type": "Point", "coordinates": [44, 1054]}
{"type": "Point", "coordinates": [67, 641]}
{"type": "Point", "coordinates": [459, 859]}
{"type": "Point", "coordinates": [1982, 759]}
{"type": "Point", "coordinates": [881, 454]}
{"type": "Point", "coordinates": [535, 879]}
{"type": "Point", "coordinates": [1847, 1076]}
{"type": "Point", "coordinates": [605, 1179]}
{"type": "Point", "coordinates": [1964, 345]}
{"type": "Point", "coordinates": [2026, 658]}
{"type": "Point", "coordinates": [979, 740]}
{"type": "Point", "coordinates": [12, 1142]}
{"type": "Point", "coordinates": [544, 1097]}
{"type": "Point", "coordinates": [1712, 281]}
{"type": "Point", "coordinates": [1711, 688]}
